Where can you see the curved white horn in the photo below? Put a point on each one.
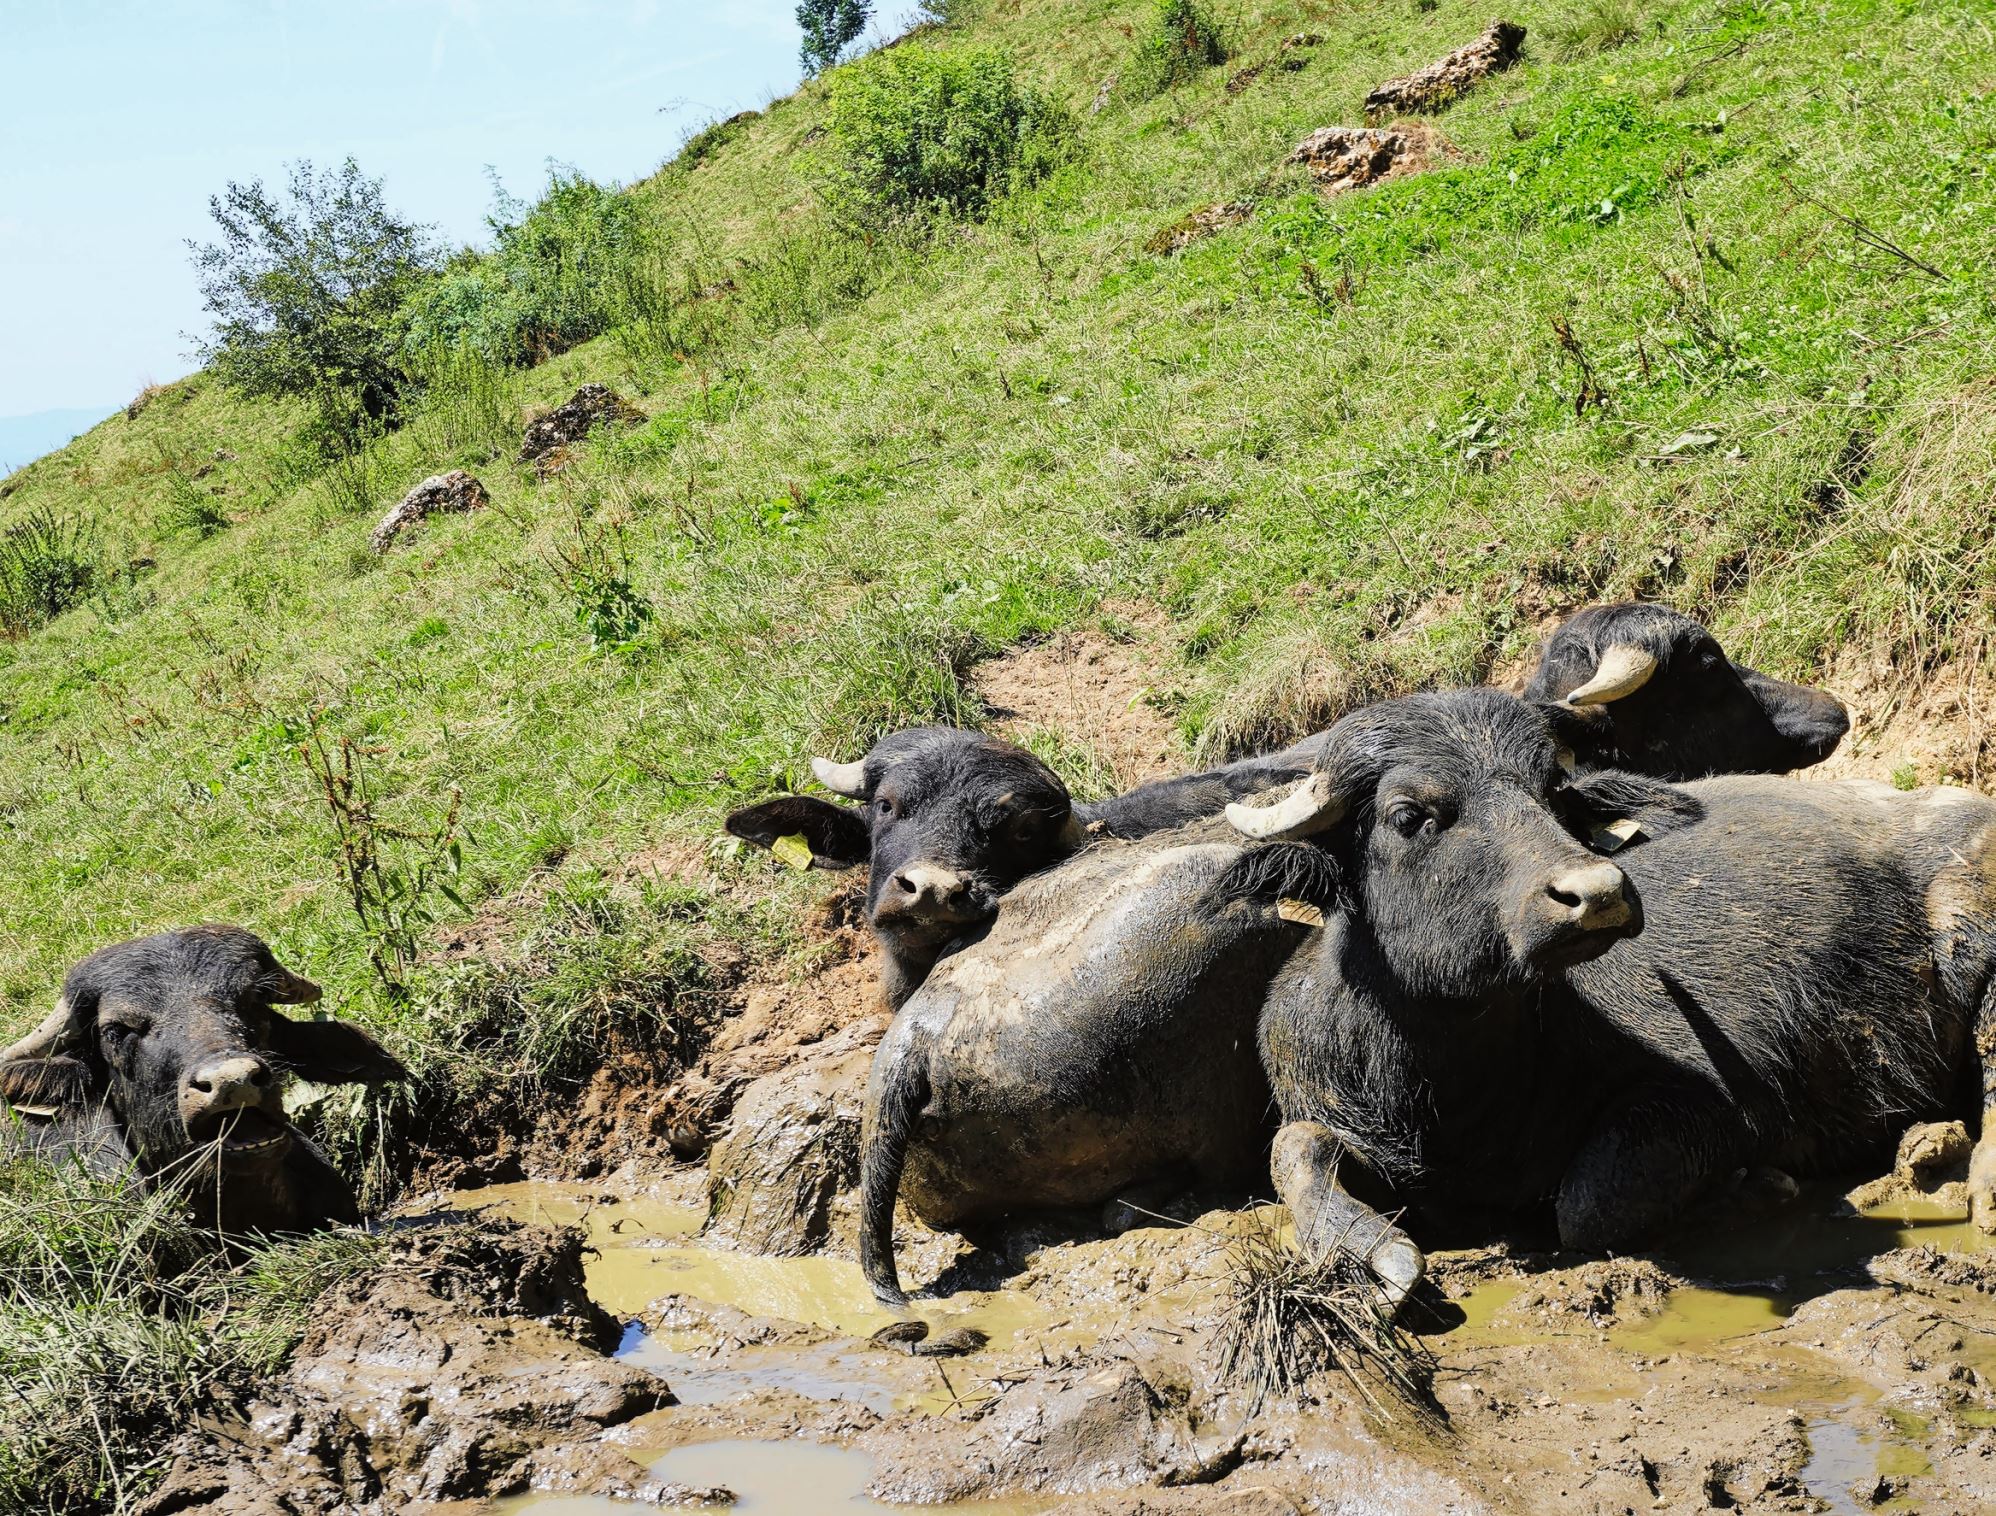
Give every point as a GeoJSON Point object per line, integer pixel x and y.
{"type": "Point", "coordinates": [1308, 808]}
{"type": "Point", "coordinates": [1622, 671]}
{"type": "Point", "coordinates": [847, 779]}
{"type": "Point", "coordinates": [45, 1040]}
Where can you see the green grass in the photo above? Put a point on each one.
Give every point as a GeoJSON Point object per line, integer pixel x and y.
{"type": "Point", "coordinates": [1627, 342]}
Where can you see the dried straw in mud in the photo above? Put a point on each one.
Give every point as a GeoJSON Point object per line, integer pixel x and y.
{"type": "Point", "coordinates": [1288, 1319]}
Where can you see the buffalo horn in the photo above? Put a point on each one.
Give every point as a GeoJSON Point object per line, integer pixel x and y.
{"type": "Point", "coordinates": [46, 1040]}
{"type": "Point", "coordinates": [847, 779]}
{"type": "Point", "coordinates": [1622, 671]}
{"type": "Point", "coordinates": [1308, 808]}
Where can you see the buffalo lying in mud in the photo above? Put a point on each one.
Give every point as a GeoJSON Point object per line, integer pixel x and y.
{"type": "Point", "coordinates": [949, 820]}
{"type": "Point", "coordinates": [1485, 1026]}
{"type": "Point", "coordinates": [1659, 696]}
{"type": "Point", "coordinates": [165, 1056]}
{"type": "Point", "coordinates": [1100, 1036]}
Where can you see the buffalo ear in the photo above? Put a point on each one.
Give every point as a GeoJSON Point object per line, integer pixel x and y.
{"type": "Point", "coordinates": [837, 835]}
{"type": "Point", "coordinates": [332, 1052]}
{"type": "Point", "coordinates": [45, 1082]}
{"type": "Point", "coordinates": [1614, 796]}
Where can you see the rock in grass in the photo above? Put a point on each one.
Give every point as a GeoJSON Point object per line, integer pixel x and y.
{"type": "Point", "coordinates": [1442, 82]}
{"type": "Point", "coordinates": [455, 491]}
{"type": "Point", "coordinates": [1350, 157]}
{"type": "Point", "coordinates": [573, 420]}
{"type": "Point", "coordinates": [1187, 230]}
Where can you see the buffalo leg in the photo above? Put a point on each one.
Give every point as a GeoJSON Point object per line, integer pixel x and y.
{"type": "Point", "coordinates": [1982, 1163]}
{"type": "Point", "coordinates": [1641, 1167]}
{"type": "Point", "coordinates": [1328, 1220]}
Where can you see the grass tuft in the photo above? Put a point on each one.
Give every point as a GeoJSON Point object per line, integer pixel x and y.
{"type": "Point", "coordinates": [1598, 27]}
{"type": "Point", "coordinates": [1289, 1320]}
{"type": "Point", "coordinates": [120, 1325]}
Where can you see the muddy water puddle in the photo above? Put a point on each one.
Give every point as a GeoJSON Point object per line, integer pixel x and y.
{"type": "Point", "coordinates": [647, 1250]}
{"type": "Point", "coordinates": [1715, 1302]}
{"type": "Point", "coordinates": [767, 1479]}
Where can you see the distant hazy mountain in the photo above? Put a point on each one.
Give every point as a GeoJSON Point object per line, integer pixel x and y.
{"type": "Point", "coordinates": [23, 439]}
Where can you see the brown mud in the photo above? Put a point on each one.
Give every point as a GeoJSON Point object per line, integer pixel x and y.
{"type": "Point", "coordinates": [1783, 1352]}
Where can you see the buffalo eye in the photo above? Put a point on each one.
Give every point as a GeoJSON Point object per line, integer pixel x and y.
{"type": "Point", "coordinates": [116, 1035]}
{"type": "Point", "coordinates": [1026, 829]}
{"type": "Point", "coordinates": [885, 807]}
{"type": "Point", "coordinates": [1406, 818]}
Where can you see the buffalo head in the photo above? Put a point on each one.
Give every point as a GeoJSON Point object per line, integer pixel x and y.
{"type": "Point", "coordinates": [945, 820]}
{"type": "Point", "coordinates": [1651, 691]}
{"type": "Point", "coordinates": [177, 1037]}
{"type": "Point", "coordinates": [1454, 842]}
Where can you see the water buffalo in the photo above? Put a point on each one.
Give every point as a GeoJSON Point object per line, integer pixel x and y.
{"type": "Point", "coordinates": [949, 820]}
{"type": "Point", "coordinates": [1660, 697]}
{"type": "Point", "coordinates": [165, 1055]}
{"type": "Point", "coordinates": [1485, 1026]}
{"type": "Point", "coordinates": [1098, 1038]}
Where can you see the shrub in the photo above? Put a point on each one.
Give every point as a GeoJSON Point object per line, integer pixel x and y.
{"type": "Point", "coordinates": [303, 294]}
{"type": "Point", "coordinates": [48, 563]}
{"type": "Point", "coordinates": [1182, 40]}
{"type": "Point", "coordinates": [555, 277]}
{"type": "Point", "coordinates": [922, 131]}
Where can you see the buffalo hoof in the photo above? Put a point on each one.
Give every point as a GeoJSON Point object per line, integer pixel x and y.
{"type": "Point", "coordinates": [1399, 1266]}
{"type": "Point", "coordinates": [913, 1337]}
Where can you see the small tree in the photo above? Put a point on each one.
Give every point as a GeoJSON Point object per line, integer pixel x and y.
{"type": "Point", "coordinates": [303, 291]}
{"type": "Point", "coordinates": [830, 27]}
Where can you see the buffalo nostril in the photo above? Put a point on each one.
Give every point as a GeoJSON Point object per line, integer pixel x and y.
{"type": "Point", "coordinates": [906, 885]}
{"type": "Point", "coordinates": [203, 1085]}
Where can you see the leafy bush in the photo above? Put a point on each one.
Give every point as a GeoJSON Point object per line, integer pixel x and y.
{"type": "Point", "coordinates": [921, 131]}
{"type": "Point", "coordinates": [48, 563]}
{"type": "Point", "coordinates": [1182, 40]}
{"type": "Point", "coordinates": [555, 277]}
{"type": "Point", "coordinates": [303, 294]}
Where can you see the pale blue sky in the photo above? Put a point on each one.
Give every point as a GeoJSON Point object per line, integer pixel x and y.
{"type": "Point", "coordinates": [120, 117]}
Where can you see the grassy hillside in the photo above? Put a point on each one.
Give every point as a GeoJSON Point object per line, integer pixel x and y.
{"type": "Point", "coordinates": [1698, 309]}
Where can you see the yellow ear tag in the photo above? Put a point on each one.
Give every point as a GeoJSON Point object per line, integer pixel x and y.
{"type": "Point", "coordinates": [1299, 911]}
{"type": "Point", "coordinates": [1617, 835]}
{"type": "Point", "coordinates": [793, 850]}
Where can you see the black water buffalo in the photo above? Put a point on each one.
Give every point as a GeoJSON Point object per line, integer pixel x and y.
{"type": "Point", "coordinates": [949, 820]}
{"type": "Point", "coordinates": [1486, 1026]}
{"type": "Point", "coordinates": [1660, 697]}
{"type": "Point", "coordinates": [1099, 1037]}
{"type": "Point", "coordinates": [165, 1055]}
